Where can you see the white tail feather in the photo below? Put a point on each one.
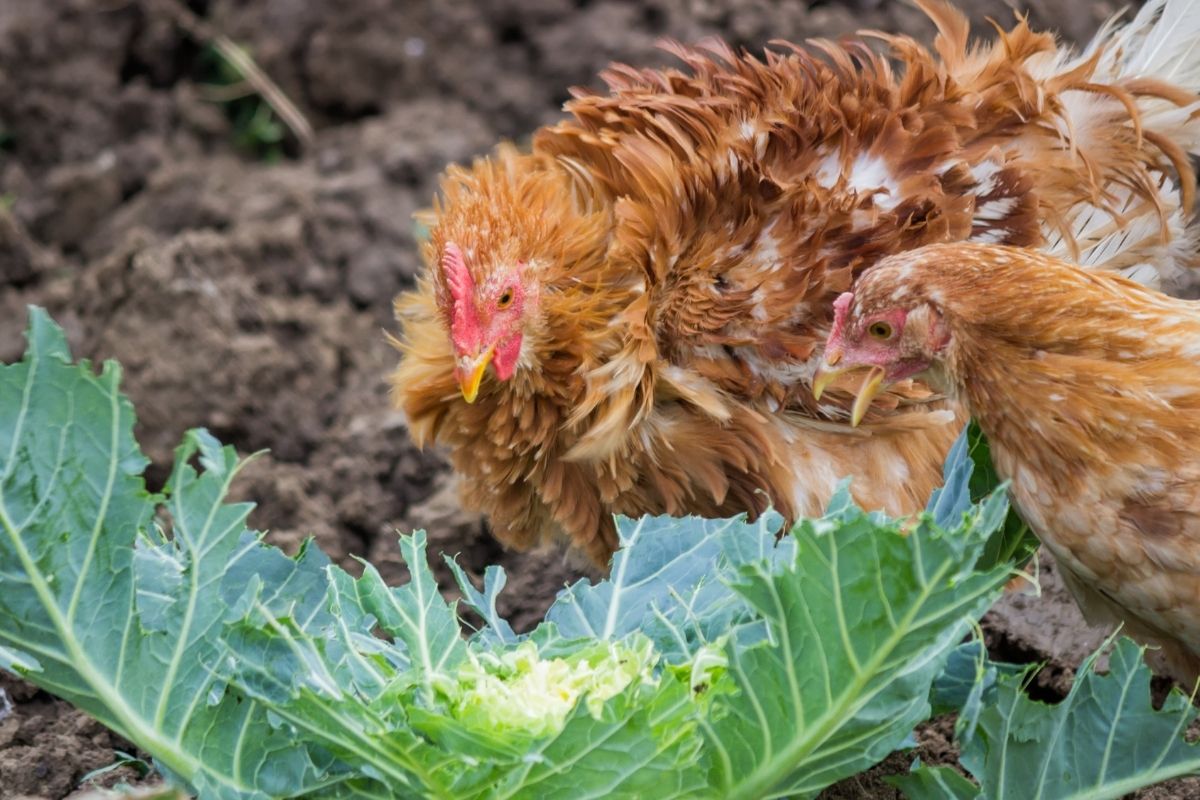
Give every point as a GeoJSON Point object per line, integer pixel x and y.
{"type": "Point", "coordinates": [1162, 43]}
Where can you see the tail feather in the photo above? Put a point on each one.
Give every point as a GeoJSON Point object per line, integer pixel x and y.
{"type": "Point", "coordinates": [1106, 134]}
{"type": "Point", "coordinates": [1163, 42]}
{"type": "Point", "coordinates": [1160, 45]}
{"type": "Point", "coordinates": [1159, 52]}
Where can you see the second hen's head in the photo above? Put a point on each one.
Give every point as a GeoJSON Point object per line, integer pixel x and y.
{"type": "Point", "coordinates": [892, 325]}
{"type": "Point", "coordinates": [942, 311]}
{"type": "Point", "coordinates": [507, 236]}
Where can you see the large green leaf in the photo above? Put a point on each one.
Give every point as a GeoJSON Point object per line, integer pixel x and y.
{"type": "Point", "coordinates": [671, 579]}
{"type": "Point", "coordinates": [1104, 740]}
{"type": "Point", "coordinates": [859, 624]}
{"type": "Point", "coordinates": [98, 606]}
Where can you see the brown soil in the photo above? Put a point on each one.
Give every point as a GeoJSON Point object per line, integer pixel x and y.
{"type": "Point", "coordinates": [252, 297]}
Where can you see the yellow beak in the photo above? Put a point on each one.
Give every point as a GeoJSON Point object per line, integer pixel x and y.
{"type": "Point", "coordinates": [871, 386]}
{"type": "Point", "coordinates": [470, 373]}
{"type": "Point", "coordinates": [822, 378]}
{"type": "Point", "coordinates": [825, 373]}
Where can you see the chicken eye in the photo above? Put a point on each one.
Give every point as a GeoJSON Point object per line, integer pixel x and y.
{"type": "Point", "coordinates": [505, 299]}
{"type": "Point", "coordinates": [880, 330]}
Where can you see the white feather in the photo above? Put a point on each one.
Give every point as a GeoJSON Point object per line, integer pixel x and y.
{"type": "Point", "coordinates": [1163, 43]}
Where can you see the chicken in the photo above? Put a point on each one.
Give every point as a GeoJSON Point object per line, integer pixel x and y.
{"type": "Point", "coordinates": [1086, 387]}
{"type": "Point", "coordinates": [627, 319]}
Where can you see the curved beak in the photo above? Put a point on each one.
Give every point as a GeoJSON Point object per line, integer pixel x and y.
{"type": "Point", "coordinates": [827, 373]}
{"type": "Point", "coordinates": [470, 373]}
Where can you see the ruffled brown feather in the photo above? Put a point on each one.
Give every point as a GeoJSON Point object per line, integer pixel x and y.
{"type": "Point", "coordinates": [1087, 388]}
{"type": "Point", "coordinates": [694, 227]}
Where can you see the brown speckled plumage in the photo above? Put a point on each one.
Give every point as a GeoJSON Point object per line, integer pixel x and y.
{"type": "Point", "coordinates": [691, 228]}
{"type": "Point", "coordinates": [1087, 387]}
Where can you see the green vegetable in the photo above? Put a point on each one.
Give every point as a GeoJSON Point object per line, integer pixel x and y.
{"type": "Point", "coordinates": [1104, 740]}
{"type": "Point", "coordinates": [714, 662]}
{"type": "Point", "coordinates": [518, 691]}
{"type": "Point", "coordinates": [1015, 542]}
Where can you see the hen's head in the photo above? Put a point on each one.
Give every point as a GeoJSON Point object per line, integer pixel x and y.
{"type": "Point", "coordinates": [488, 318]}
{"type": "Point", "coordinates": [510, 239]}
{"type": "Point", "coordinates": [890, 327]}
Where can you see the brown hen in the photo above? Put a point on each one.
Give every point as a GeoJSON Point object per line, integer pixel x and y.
{"type": "Point", "coordinates": [1087, 389]}
{"type": "Point", "coordinates": [627, 319]}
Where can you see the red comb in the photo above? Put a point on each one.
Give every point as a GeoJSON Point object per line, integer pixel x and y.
{"type": "Point", "coordinates": [458, 277]}
{"type": "Point", "coordinates": [841, 308]}
{"type": "Point", "coordinates": [464, 327]}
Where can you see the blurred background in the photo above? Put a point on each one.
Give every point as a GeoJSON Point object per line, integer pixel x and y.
{"type": "Point", "coordinates": [219, 193]}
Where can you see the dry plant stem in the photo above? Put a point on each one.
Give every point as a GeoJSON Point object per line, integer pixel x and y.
{"type": "Point", "coordinates": [203, 32]}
